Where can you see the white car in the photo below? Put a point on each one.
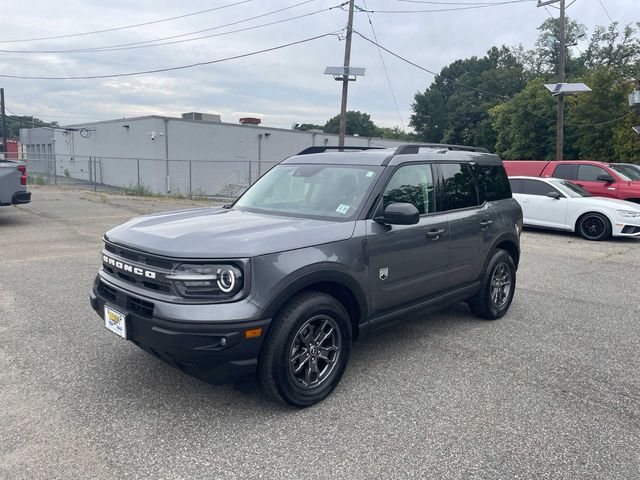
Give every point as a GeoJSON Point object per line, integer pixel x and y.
{"type": "Point", "coordinates": [556, 203]}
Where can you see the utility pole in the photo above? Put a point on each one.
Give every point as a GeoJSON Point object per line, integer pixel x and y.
{"type": "Point", "coordinates": [4, 121]}
{"type": "Point", "coordinates": [345, 78]}
{"type": "Point", "coordinates": [561, 77]}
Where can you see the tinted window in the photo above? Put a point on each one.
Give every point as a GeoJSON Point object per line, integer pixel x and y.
{"type": "Point", "coordinates": [566, 172]}
{"type": "Point", "coordinates": [458, 187]}
{"type": "Point", "coordinates": [589, 173]}
{"type": "Point", "coordinates": [534, 187]}
{"type": "Point", "coordinates": [493, 183]}
{"type": "Point", "coordinates": [412, 184]}
{"type": "Point", "coordinates": [516, 185]}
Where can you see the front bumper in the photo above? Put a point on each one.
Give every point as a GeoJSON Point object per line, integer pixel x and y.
{"type": "Point", "coordinates": [627, 228]}
{"type": "Point", "coordinates": [215, 351]}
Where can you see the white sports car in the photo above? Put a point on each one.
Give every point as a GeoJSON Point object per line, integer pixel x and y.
{"type": "Point", "coordinates": [556, 203]}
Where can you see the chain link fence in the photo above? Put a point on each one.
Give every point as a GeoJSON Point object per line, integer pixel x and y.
{"type": "Point", "coordinates": [147, 176]}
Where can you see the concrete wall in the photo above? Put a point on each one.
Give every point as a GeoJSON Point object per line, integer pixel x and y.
{"type": "Point", "coordinates": [201, 157]}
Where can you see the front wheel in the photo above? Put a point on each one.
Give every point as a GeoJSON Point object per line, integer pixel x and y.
{"type": "Point", "coordinates": [498, 287]}
{"type": "Point", "coordinates": [594, 226]}
{"type": "Point", "coordinates": [307, 350]}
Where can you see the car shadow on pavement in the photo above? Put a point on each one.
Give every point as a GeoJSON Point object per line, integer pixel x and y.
{"type": "Point", "coordinates": [570, 236]}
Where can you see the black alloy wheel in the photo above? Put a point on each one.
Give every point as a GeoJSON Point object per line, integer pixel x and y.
{"type": "Point", "coordinates": [594, 226]}
{"type": "Point", "coordinates": [306, 351]}
{"type": "Point", "coordinates": [497, 288]}
{"type": "Point", "coordinates": [314, 351]}
{"type": "Point", "coordinates": [501, 283]}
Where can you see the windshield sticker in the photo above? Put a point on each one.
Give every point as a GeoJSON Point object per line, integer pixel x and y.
{"type": "Point", "coordinates": [370, 174]}
{"type": "Point", "coordinates": [342, 209]}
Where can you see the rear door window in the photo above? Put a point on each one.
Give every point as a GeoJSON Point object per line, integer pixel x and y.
{"type": "Point", "coordinates": [536, 187]}
{"type": "Point", "coordinates": [566, 172]}
{"type": "Point", "coordinates": [459, 188]}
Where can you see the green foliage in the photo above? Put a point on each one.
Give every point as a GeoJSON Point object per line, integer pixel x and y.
{"type": "Point", "coordinates": [520, 122]}
{"type": "Point", "coordinates": [15, 123]}
{"type": "Point", "coordinates": [394, 133]}
{"type": "Point", "coordinates": [526, 124]}
{"type": "Point", "coordinates": [138, 190]}
{"type": "Point", "coordinates": [357, 123]}
{"type": "Point", "coordinates": [36, 180]}
{"type": "Point", "coordinates": [455, 107]}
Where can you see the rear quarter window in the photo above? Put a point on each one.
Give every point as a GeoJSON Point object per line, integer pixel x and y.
{"type": "Point", "coordinates": [493, 183]}
{"type": "Point", "coordinates": [566, 172]}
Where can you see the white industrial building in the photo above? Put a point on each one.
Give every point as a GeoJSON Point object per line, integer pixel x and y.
{"type": "Point", "coordinates": [196, 154]}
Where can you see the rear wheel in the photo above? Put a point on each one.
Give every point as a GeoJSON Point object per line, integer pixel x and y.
{"type": "Point", "coordinates": [594, 226]}
{"type": "Point", "coordinates": [498, 287]}
{"type": "Point", "coordinates": [307, 350]}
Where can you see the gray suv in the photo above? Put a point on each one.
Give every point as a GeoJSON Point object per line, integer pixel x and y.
{"type": "Point", "coordinates": [326, 246]}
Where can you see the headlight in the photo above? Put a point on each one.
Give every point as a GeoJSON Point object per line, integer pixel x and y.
{"type": "Point", "coordinates": [207, 281]}
{"type": "Point", "coordinates": [629, 213]}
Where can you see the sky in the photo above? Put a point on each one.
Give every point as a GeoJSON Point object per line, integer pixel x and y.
{"type": "Point", "coordinates": [283, 86]}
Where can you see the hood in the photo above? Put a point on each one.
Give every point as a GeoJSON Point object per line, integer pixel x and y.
{"type": "Point", "coordinates": [223, 233]}
{"type": "Point", "coordinates": [611, 203]}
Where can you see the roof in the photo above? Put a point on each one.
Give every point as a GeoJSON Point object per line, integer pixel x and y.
{"type": "Point", "coordinates": [391, 156]}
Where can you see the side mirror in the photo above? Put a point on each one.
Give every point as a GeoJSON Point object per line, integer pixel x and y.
{"type": "Point", "coordinates": [555, 195]}
{"type": "Point", "coordinates": [606, 178]}
{"type": "Point", "coordinates": [399, 214]}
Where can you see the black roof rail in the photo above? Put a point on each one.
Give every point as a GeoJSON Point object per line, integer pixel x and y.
{"type": "Point", "coordinates": [412, 148]}
{"type": "Point", "coordinates": [324, 148]}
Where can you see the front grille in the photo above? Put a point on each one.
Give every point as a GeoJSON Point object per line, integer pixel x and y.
{"type": "Point", "coordinates": [141, 307]}
{"type": "Point", "coordinates": [145, 261]}
{"type": "Point", "coordinates": [119, 298]}
{"type": "Point", "coordinates": [630, 229]}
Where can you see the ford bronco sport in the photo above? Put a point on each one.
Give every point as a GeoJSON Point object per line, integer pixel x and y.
{"type": "Point", "coordinates": [321, 249]}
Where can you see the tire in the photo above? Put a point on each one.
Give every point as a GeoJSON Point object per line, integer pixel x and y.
{"type": "Point", "coordinates": [313, 329]}
{"type": "Point", "coordinates": [594, 226]}
{"type": "Point", "coordinates": [494, 299]}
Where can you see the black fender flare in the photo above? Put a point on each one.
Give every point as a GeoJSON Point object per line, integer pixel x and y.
{"type": "Point", "coordinates": [318, 273]}
{"type": "Point", "coordinates": [510, 237]}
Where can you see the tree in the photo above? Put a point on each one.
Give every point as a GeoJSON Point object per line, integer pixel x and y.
{"type": "Point", "coordinates": [611, 48]}
{"type": "Point", "coordinates": [526, 124]}
{"type": "Point", "coordinates": [394, 133]}
{"type": "Point", "coordinates": [15, 123]}
{"type": "Point", "coordinates": [547, 47]}
{"type": "Point", "coordinates": [455, 107]}
{"type": "Point", "coordinates": [357, 123]}
{"type": "Point", "coordinates": [590, 128]}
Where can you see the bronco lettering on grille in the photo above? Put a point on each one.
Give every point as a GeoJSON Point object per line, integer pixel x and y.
{"type": "Point", "coordinates": [129, 268]}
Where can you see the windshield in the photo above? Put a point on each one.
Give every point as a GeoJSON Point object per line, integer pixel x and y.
{"type": "Point", "coordinates": [333, 191]}
{"type": "Point", "coordinates": [627, 172]}
{"type": "Point", "coordinates": [572, 190]}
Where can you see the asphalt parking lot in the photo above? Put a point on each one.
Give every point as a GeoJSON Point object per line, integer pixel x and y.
{"type": "Point", "coordinates": [552, 390]}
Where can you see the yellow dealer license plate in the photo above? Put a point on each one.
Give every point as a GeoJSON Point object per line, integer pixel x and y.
{"type": "Point", "coordinates": [115, 321]}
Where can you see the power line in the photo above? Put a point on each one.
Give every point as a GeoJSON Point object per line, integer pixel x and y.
{"type": "Point", "coordinates": [179, 67]}
{"type": "Point", "coordinates": [126, 26]}
{"type": "Point", "coordinates": [609, 16]}
{"type": "Point", "coordinates": [104, 49]}
{"type": "Point", "coordinates": [435, 10]}
{"type": "Point", "coordinates": [161, 39]}
{"type": "Point", "coordinates": [423, 68]}
{"type": "Point", "coordinates": [384, 66]}
{"type": "Point", "coordinates": [450, 3]}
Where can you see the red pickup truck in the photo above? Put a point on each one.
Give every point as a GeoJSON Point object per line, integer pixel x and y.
{"type": "Point", "coordinates": [598, 178]}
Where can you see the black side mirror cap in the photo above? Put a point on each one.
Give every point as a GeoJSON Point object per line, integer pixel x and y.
{"type": "Point", "coordinates": [605, 178]}
{"type": "Point", "coordinates": [555, 195]}
{"type": "Point", "coordinates": [399, 214]}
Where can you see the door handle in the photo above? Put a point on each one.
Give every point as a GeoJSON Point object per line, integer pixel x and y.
{"type": "Point", "coordinates": [485, 224]}
{"type": "Point", "coordinates": [435, 233]}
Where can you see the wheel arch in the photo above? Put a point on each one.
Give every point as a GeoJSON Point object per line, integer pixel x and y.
{"type": "Point", "coordinates": [589, 211]}
{"type": "Point", "coordinates": [509, 242]}
{"type": "Point", "coordinates": [335, 283]}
